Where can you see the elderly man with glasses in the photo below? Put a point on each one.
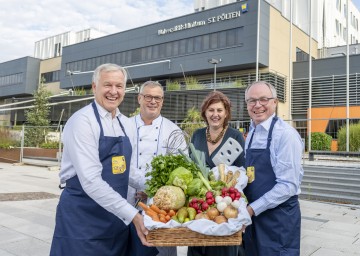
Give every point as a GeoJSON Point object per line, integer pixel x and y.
{"type": "Point", "coordinates": [153, 132]}
{"type": "Point", "coordinates": [273, 151]}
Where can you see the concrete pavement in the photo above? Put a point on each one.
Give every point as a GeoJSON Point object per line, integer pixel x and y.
{"type": "Point", "coordinates": [26, 226]}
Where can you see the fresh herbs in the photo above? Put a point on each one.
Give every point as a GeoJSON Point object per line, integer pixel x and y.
{"type": "Point", "coordinates": [162, 166]}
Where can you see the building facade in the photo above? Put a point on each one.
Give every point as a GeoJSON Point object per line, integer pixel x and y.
{"type": "Point", "coordinates": [236, 43]}
{"type": "Point", "coordinates": [328, 20]}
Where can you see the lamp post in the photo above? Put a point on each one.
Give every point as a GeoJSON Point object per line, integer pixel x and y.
{"type": "Point", "coordinates": [214, 61]}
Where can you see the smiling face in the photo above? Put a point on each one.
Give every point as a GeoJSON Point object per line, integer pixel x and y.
{"type": "Point", "coordinates": [259, 113]}
{"type": "Point", "coordinates": [150, 110]}
{"type": "Point", "coordinates": [110, 90]}
{"type": "Point", "coordinates": [215, 115]}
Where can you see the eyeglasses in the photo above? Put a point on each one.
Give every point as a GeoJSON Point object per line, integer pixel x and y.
{"type": "Point", "coordinates": [263, 101]}
{"type": "Point", "coordinates": [149, 98]}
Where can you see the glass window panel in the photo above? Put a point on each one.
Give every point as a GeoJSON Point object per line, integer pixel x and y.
{"type": "Point", "coordinates": [182, 46]}
{"type": "Point", "coordinates": [155, 51]}
{"type": "Point", "coordinates": [231, 36]}
{"type": "Point", "coordinates": [205, 42]}
{"type": "Point", "coordinates": [168, 49]}
{"type": "Point", "coordinates": [143, 54]}
{"type": "Point", "coordinates": [128, 57]}
{"type": "Point", "coordinates": [175, 48]}
{"type": "Point", "coordinates": [190, 45]}
{"type": "Point", "coordinates": [149, 53]}
{"type": "Point", "coordinates": [162, 50]}
{"type": "Point", "coordinates": [214, 40]}
{"type": "Point", "coordinates": [222, 39]}
{"type": "Point", "coordinates": [197, 44]}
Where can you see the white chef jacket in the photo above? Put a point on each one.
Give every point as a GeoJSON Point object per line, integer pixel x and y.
{"type": "Point", "coordinates": [152, 140]}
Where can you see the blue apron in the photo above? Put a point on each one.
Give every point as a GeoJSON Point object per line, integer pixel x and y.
{"type": "Point", "coordinates": [275, 231]}
{"type": "Point", "coordinates": [82, 226]}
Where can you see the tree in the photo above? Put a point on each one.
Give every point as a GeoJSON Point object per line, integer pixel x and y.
{"type": "Point", "coordinates": [38, 118]}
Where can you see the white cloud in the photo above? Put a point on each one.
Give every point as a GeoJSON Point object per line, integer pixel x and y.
{"type": "Point", "coordinates": [22, 23]}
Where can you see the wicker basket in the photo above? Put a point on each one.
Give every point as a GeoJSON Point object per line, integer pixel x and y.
{"type": "Point", "coordinates": [187, 237]}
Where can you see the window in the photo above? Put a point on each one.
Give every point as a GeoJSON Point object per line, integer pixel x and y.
{"type": "Point", "coordinates": [205, 42]}
{"type": "Point", "coordinates": [337, 26]}
{"type": "Point", "coordinates": [334, 126]}
{"type": "Point", "coordinates": [214, 41]}
{"type": "Point", "coordinates": [50, 77]}
{"type": "Point", "coordinates": [338, 5]}
{"type": "Point", "coordinates": [190, 45]}
{"type": "Point", "coordinates": [57, 50]}
{"type": "Point", "coordinates": [197, 44]}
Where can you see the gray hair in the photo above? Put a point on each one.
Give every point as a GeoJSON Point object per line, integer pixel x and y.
{"type": "Point", "coordinates": [151, 84]}
{"type": "Point", "coordinates": [107, 67]}
{"type": "Point", "coordinates": [271, 87]}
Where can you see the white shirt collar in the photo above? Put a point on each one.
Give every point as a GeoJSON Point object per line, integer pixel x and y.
{"type": "Point", "coordinates": [265, 124]}
{"type": "Point", "coordinates": [140, 122]}
{"type": "Point", "coordinates": [104, 113]}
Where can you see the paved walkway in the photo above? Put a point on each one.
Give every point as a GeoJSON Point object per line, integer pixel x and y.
{"type": "Point", "coordinates": [26, 226]}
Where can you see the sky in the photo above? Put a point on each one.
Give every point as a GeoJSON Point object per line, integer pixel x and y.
{"type": "Point", "coordinates": [24, 22]}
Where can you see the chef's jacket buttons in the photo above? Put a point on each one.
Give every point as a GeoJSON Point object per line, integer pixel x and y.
{"type": "Point", "coordinates": [157, 127]}
{"type": "Point", "coordinates": [155, 139]}
{"type": "Point", "coordinates": [140, 139]}
{"type": "Point", "coordinates": [154, 154]}
{"type": "Point", "coordinates": [139, 168]}
{"type": "Point", "coordinates": [140, 154]}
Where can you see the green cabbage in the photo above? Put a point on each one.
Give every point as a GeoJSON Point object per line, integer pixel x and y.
{"type": "Point", "coordinates": [180, 177]}
{"type": "Point", "coordinates": [194, 187]}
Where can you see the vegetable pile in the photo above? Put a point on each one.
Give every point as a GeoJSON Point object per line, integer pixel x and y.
{"type": "Point", "coordinates": [183, 189]}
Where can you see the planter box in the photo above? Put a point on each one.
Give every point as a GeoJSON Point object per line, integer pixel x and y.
{"type": "Point", "coordinates": [13, 155]}
{"type": "Point", "coordinates": [10, 155]}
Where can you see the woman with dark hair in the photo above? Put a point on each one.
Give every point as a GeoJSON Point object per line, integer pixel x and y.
{"type": "Point", "coordinates": [213, 140]}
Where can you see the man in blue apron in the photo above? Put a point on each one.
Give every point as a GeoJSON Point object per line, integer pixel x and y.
{"type": "Point", "coordinates": [273, 164]}
{"type": "Point", "coordinates": [93, 216]}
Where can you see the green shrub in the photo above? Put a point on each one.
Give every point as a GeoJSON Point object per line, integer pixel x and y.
{"type": "Point", "coordinates": [193, 84]}
{"type": "Point", "coordinates": [354, 138]}
{"type": "Point", "coordinates": [137, 111]}
{"type": "Point", "coordinates": [6, 140]}
{"type": "Point", "coordinates": [192, 122]}
{"type": "Point", "coordinates": [172, 85]}
{"type": "Point", "coordinates": [320, 141]}
{"type": "Point", "coordinates": [50, 144]}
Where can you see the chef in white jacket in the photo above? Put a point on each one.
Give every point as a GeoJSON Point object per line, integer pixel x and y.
{"type": "Point", "coordinates": [153, 132]}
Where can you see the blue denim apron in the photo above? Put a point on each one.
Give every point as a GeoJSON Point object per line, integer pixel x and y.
{"type": "Point", "coordinates": [82, 226]}
{"type": "Point", "coordinates": [275, 231]}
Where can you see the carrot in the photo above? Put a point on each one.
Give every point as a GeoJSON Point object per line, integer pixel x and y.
{"type": "Point", "coordinates": [172, 213]}
{"type": "Point", "coordinates": [163, 212]}
{"type": "Point", "coordinates": [162, 219]}
{"type": "Point", "coordinates": [153, 215]}
{"type": "Point", "coordinates": [167, 217]}
{"type": "Point", "coordinates": [143, 206]}
{"type": "Point", "coordinates": [155, 208]}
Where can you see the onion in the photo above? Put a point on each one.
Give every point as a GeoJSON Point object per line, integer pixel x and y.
{"type": "Point", "coordinates": [230, 212]}
{"type": "Point", "coordinates": [201, 215]}
{"type": "Point", "coordinates": [220, 219]}
{"type": "Point", "coordinates": [212, 213]}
